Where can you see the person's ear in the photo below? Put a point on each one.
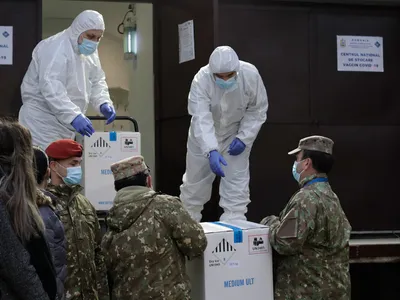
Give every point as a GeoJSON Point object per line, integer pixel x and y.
{"type": "Point", "coordinates": [80, 39]}
{"type": "Point", "coordinates": [53, 166]}
{"type": "Point", "coordinates": [307, 163]}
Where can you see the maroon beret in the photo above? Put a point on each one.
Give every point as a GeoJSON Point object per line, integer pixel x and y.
{"type": "Point", "coordinates": [63, 149]}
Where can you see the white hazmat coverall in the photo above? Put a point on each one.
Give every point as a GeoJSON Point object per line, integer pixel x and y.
{"type": "Point", "coordinates": [60, 83]}
{"type": "Point", "coordinates": [218, 117]}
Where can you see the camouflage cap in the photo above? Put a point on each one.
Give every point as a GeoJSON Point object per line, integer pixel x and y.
{"type": "Point", "coordinates": [314, 143]}
{"type": "Point", "coordinates": [129, 167]}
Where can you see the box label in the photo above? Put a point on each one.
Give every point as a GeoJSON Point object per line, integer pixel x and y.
{"type": "Point", "coordinates": [234, 264]}
{"type": "Point", "coordinates": [258, 244]}
{"type": "Point", "coordinates": [238, 282]}
{"type": "Point", "coordinates": [224, 251]}
{"type": "Point", "coordinates": [214, 263]}
{"type": "Point", "coordinates": [129, 144]}
{"type": "Point", "coordinates": [99, 148]}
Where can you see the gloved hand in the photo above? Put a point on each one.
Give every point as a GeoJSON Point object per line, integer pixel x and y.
{"type": "Point", "coordinates": [236, 147]}
{"type": "Point", "coordinates": [216, 160]}
{"type": "Point", "coordinates": [83, 125]}
{"type": "Point", "coordinates": [108, 111]}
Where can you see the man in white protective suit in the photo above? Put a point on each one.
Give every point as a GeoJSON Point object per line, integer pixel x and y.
{"type": "Point", "coordinates": [64, 76]}
{"type": "Point", "coordinates": [228, 104]}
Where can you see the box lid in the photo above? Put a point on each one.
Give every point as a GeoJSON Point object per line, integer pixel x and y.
{"type": "Point", "coordinates": [214, 227]}
{"type": "Point", "coordinates": [236, 227]}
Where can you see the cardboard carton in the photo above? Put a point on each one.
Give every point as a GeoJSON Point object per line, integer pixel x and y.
{"type": "Point", "coordinates": [237, 264]}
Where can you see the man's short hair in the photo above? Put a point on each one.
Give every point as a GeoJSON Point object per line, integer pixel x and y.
{"type": "Point", "coordinates": [40, 164]}
{"type": "Point", "coordinates": [322, 162]}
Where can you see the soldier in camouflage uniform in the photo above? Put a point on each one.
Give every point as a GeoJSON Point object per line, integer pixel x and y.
{"type": "Point", "coordinates": [87, 275]}
{"type": "Point", "coordinates": [312, 233]}
{"type": "Point", "coordinates": [149, 236]}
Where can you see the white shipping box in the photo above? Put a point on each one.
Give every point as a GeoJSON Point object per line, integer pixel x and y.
{"type": "Point", "coordinates": [236, 265]}
{"type": "Point", "coordinates": [100, 151]}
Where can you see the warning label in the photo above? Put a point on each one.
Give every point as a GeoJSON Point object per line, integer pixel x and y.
{"type": "Point", "coordinates": [258, 244]}
{"type": "Point", "coordinates": [129, 144]}
{"type": "Point", "coordinates": [100, 147]}
{"type": "Point", "coordinates": [224, 252]}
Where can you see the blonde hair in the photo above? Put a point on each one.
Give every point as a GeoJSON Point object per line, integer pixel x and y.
{"type": "Point", "coordinates": [17, 183]}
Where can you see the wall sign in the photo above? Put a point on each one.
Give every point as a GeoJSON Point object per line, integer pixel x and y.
{"type": "Point", "coordinates": [359, 53]}
{"type": "Point", "coordinates": [186, 41]}
{"type": "Point", "coordinates": [6, 45]}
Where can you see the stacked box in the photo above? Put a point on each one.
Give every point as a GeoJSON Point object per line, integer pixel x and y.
{"type": "Point", "coordinates": [100, 151]}
{"type": "Point", "coordinates": [237, 264]}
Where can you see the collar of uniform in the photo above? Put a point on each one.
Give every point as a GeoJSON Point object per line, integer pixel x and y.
{"type": "Point", "coordinates": [304, 181]}
{"type": "Point", "coordinates": [64, 189]}
{"type": "Point", "coordinates": [134, 189]}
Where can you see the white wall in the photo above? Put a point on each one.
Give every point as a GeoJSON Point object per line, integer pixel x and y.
{"type": "Point", "coordinates": [131, 84]}
{"type": "Point", "coordinates": [113, 12]}
{"type": "Point", "coordinates": [141, 98]}
{"type": "Point", "coordinates": [117, 70]}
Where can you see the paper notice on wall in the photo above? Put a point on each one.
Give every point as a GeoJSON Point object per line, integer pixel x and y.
{"type": "Point", "coordinates": [6, 45]}
{"type": "Point", "coordinates": [359, 53]}
{"type": "Point", "coordinates": [186, 41]}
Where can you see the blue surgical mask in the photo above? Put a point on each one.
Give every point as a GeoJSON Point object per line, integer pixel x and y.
{"type": "Point", "coordinates": [74, 175]}
{"type": "Point", "coordinates": [87, 47]}
{"type": "Point", "coordinates": [296, 174]}
{"type": "Point", "coordinates": [225, 84]}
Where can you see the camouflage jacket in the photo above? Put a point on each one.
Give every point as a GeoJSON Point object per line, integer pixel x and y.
{"type": "Point", "coordinates": [87, 275]}
{"type": "Point", "coordinates": [149, 236]}
{"type": "Point", "coordinates": [312, 234]}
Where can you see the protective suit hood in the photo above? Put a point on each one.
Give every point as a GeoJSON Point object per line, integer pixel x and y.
{"type": "Point", "coordinates": [223, 60]}
{"type": "Point", "coordinates": [86, 20]}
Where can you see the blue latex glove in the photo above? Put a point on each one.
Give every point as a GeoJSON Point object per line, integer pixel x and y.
{"type": "Point", "coordinates": [216, 160]}
{"type": "Point", "coordinates": [236, 147]}
{"type": "Point", "coordinates": [108, 111]}
{"type": "Point", "coordinates": [83, 125]}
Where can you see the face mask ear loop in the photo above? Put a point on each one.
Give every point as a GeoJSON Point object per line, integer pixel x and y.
{"type": "Point", "coordinates": [61, 167]}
